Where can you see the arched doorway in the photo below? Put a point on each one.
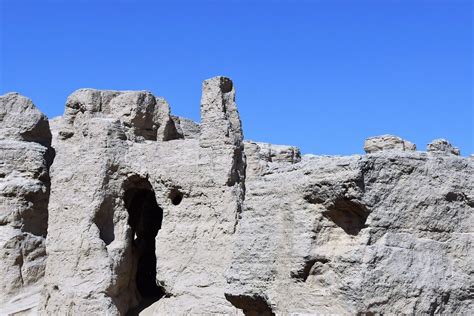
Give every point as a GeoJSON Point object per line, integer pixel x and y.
{"type": "Point", "coordinates": [145, 218]}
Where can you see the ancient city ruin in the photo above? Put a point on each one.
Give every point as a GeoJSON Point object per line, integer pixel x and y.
{"type": "Point", "coordinates": [118, 207]}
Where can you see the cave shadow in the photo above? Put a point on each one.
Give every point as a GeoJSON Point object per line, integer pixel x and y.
{"type": "Point", "coordinates": [349, 215]}
{"type": "Point", "coordinates": [145, 219]}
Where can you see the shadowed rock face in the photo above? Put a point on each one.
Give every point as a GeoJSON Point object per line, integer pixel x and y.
{"type": "Point", "coordinates": [145, 218]}
{"type": "Point", "coordinates": [349, 216]}
{"type": "Point", "coordinates": [146, 212]}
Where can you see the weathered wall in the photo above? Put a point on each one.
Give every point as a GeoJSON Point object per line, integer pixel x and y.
{"type": "Point", "coordinates": [227, 226]}
{"type": "Point", "coordinates": [25, 157]}
{"type": "Point", "coordinates": [389, 232]}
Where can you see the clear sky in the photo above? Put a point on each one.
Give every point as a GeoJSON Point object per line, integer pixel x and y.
{"type": "Point", "coordinates": [321, 75]}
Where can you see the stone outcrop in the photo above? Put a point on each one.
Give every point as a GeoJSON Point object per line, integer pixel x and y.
{"type": "Point", "coordinates": [442, 146]}
{"type": "Point", "coordinates": [387, 142]}
{"type": "Point", "coordinates": [22, 121]}
{"type": "Point", "coordinates": [145, 212]}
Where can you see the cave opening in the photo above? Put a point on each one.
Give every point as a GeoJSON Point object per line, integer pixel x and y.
{"type": "Point", "coordinates": [175, 196]}
{"type": "Point", "coordinates": [348, 214]}
{"type": "Point", "coordinates": [145, 219]}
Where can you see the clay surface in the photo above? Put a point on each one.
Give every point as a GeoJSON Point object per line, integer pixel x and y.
{"type": "Point", "coordinates": [119, 207]}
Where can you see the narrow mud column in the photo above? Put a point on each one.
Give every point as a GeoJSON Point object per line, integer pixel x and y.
{"type": "Point", "coordinates": [220, 121]}
{"type": "Point", "coordinates": [221, 131]}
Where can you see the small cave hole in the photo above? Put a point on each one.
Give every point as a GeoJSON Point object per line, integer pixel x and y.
{"type": "Point", "coordinates": [455, 196]}
{"type": "Point", "coordinates": [347, 214]}
{"type": "Point", "coordinates": [226, 85]}
{"type": "Point", "coordinates": [176, 196]}
{"type": "Point", "coordinates": [145, 219]}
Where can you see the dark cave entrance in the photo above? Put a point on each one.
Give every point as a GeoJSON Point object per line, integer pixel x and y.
{"type": "Point", "coordinates": [347, 214]}
{"type": "Point", "coordinates": [145, 218]}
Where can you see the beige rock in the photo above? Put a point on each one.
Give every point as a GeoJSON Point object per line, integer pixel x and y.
{"type": "Point", "coordinates": [101, 181]}
{"type": "Point", "coordinates": [187, 128]}
{"type": "Point", "coordinates": [167, 129]}
{"type": "Point", "coordinates": [155, 214]}
{"type": "Point", "coordinates": [21, 120]}
{"type": "Point", "coordinates": [143, 116]}
{"type": "Point", "coordinates": [25, 157]}
{"type": "Point", "coordinates": [442, 146]}
{"type": "Point", "coordinates": [261, 155]}
{"type": "Point", "coordinates": [220, 121]}
{"type": "Point", "coordinates": [387, 142]}
{"type": "Point", "coordinates": [360, 234]}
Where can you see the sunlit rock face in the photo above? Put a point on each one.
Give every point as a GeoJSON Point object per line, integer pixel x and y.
{"type": "Point", "coordinates": [25, 157]}
{"type": "Point", "coordinates": [118, 207]}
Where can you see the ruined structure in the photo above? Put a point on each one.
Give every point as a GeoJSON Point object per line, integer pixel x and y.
{"type": "Point", "coordinates": [119, 207]}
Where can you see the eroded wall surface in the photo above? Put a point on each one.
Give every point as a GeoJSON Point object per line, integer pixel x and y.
{"type": "Point", "coordinates": [145, 212]}
{"type": "Point", "coordinates": [388, 232]}
{"type": "Point", "coordinates": [25, 157]}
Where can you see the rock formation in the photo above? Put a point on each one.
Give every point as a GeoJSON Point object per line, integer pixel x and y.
{"type": "Point", "coordinates": [442, 146]}
{"type": "Point", "coordinates": [118, 207]}
{"type": "Point", "coordinates": [387, 142]}
{"type": "Point", "coordinates": [25, 157]}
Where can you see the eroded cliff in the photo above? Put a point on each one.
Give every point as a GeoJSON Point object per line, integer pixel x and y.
{"type": "Point", "coordinates": [148, 212]}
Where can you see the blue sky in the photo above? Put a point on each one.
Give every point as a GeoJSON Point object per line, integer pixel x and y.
{"type": "Point", "coordinates": [321, 75]}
